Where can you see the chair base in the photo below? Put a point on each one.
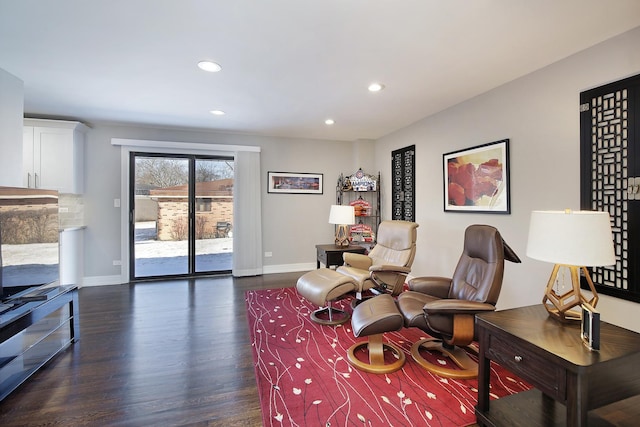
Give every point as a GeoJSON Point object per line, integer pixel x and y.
{"type": "Point", "coordinates": [376, 349]}
{"type": "Point", "coordinates": [468, 367]}
{"type": "Point", "coordinates": [330, 316]}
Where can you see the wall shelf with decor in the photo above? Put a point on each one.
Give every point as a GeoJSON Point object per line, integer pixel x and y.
{"type": "Point", "coordinates": [362, 191]}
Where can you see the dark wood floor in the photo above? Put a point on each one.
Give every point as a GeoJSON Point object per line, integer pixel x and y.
{"type": "Point", "coordinates": [151, 354]}
{"type": "Point", "coordinates": [172, 353]}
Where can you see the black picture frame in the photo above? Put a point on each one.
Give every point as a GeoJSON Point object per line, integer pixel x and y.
{"type": "Point", "coordinates": [590, 330]}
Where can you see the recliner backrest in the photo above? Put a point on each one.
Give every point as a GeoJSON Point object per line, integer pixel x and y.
{"type": "Point", "coordinates": [395, 243]}
{"type": "Point", "coordinates": [478, 275]}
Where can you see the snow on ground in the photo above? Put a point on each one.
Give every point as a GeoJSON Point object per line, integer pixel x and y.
{"type": "Point", "coordinates": [160, 249]}
{"type": "Point", "coordinates": [147, 247]}
{"type": "Point", "coordinates": [35, 253]}
{"type": "Point", "coordinates": [153, 257]}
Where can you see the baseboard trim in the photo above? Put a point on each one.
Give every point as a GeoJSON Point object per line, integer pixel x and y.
{"type": "Point", "coordinates": [101, 281]}
{"type": "Point", "coordinates": [267, 269]}
{"type": "Point", "coordinates": [288, 268]}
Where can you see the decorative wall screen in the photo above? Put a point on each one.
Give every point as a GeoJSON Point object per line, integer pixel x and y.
{"type": "Point", "coordinates": [403, 186]}
{"type": "Point", "coordinates": [609, 146]}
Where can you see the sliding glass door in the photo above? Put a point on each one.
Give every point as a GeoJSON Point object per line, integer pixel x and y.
{"type": "Point", "coordinates": [213, 215]}
{"type": "Point", "coordinates": [181, 220]}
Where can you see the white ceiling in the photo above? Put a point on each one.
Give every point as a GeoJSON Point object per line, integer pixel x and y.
{"type": "Point", "coordinates": [287, 64]}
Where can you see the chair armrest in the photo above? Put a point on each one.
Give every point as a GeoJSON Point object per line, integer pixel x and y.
{"type": "Point", "coordinates": [434, 286]}
{"type": "Point", "coordinates": [389, 278]}
{"type": "Point", "coordinates": [362, 262]}
{"type": "Point", "coordinates": [456, 306]}
{"type": "Point", "coordinates": [390, 269]}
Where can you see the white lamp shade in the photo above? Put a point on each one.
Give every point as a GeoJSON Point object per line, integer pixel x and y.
{"type": "Point", "coordinates": [578, 238]}
{"type": "Point", "coordinates": [342, 215]}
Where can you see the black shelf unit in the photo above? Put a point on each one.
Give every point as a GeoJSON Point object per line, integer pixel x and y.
{"type": "Point", "coordinates": [365, 188]}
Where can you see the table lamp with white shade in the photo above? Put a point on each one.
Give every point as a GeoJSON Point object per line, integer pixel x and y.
{"type": "Point", "coordinates": [342, 216]}
{"type": "Point", "coordinates": [573, 240]}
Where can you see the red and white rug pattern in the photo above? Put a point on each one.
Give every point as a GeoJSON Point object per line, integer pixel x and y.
{"type": "Point", "coordinates": [304, 378]}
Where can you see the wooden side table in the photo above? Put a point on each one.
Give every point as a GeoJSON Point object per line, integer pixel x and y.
{"type": "Point", "coordinates": [571, 381]}
{"type": "Point", "coordinates": [331, 255]}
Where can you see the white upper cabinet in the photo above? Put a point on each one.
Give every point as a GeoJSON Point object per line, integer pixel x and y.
{"type": "Point", "coordinates": [53, 152]}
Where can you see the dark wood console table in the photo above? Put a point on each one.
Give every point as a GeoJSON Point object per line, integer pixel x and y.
{"type": "Point", "coordinates": [34, 327]}
{"type": "Point", "coordinates": [571, 380]}
{"type": "Point", "coordinates": [331, 255]}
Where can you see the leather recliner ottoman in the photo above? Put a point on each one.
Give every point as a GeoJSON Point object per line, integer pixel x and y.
{"type": "Point", "coordinates": [321, 287]}
{"type": "Point", "coordinates": [372, 318]}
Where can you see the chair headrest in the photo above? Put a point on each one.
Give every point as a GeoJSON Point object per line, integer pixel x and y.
{"type": "Point", "coordinates": [510, 254]}
{"type": "Point", "coordinates": [485, 242]}
{"type": "Point", "coordinates": [397, 235]}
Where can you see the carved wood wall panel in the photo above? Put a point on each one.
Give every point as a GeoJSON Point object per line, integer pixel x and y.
{"type": "Point", "coordinates": [403, 190]}
{"type": "Point", "coordinates": [609, 126]}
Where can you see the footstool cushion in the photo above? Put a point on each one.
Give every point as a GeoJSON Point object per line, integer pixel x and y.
{"type": "Point", "coordinates": [372, 318]}
{"type": "Point", "coordinates": [323, 285]}
{"type": "Point", "coordinates": [376, 315]}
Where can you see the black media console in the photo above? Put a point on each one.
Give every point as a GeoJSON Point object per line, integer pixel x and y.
{"type": "Point", "coordinates": [35, 325]}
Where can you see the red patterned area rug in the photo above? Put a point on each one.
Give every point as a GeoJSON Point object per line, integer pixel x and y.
{"type": "Point", "coordinates": [304, 378]}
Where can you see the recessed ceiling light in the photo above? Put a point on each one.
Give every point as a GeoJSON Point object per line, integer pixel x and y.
{"type": "Point", "coordinates": [217, 112]}
{"type": "Point", "coordinates": [329, 122]}
{"type": "Point", "coordinates": [376, 87]}
{"type": "Point", "coordinates": [210, 66]}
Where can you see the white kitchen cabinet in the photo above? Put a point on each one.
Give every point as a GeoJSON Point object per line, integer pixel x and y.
{"type": "Point", "coordinates": [53, 152]}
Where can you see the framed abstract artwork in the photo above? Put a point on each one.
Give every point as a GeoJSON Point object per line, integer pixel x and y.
{"type": "Point", "coordinates": [476, 179]}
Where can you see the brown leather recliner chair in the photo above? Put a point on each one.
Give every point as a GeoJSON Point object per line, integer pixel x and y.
{"type": "Point", "coordinates": [445, 308]}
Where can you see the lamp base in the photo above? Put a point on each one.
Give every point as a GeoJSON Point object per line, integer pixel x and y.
{"type": "Point", "coordinates": [560, 306]}
{"type": "Point", "coordinates": [342, 236]}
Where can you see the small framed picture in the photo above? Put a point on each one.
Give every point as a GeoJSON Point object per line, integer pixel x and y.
{"type": "Point", "coordinates": [294, 183]}
{"type": "Point", "coordinates": [590, 327]}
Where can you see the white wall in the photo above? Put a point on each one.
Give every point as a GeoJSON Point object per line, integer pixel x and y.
{"type": "Point", "coordinates": [539, 114]}
{"type": "Point", "coordinates": [292, 223]}
{"type": "Point", "coordinates": [11, 112]}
